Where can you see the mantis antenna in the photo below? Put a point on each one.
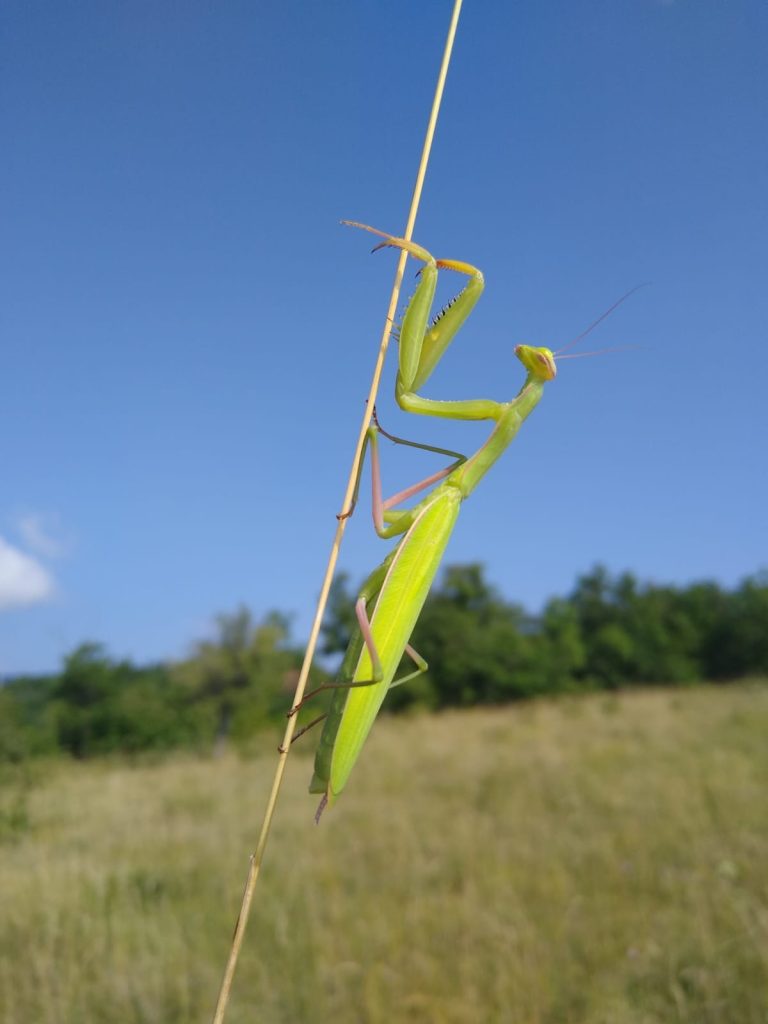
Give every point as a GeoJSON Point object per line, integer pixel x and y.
{"type": "Point", "coordinates": [597, 352]}
{"type": "Point", "coordinates": [593, 325]}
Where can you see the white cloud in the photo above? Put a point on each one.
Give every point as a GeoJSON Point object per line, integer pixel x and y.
{"type": "Point", "coordinates": [23, 580]}
{"type": "Point", "coordinates": [42, 535]}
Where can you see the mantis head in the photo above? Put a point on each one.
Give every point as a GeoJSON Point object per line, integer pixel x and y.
{"type": "Point", "coordinates": [539, 362]}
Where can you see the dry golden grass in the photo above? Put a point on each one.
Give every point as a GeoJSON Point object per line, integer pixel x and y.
{"type": "Point", "coordinates": [593, 861]}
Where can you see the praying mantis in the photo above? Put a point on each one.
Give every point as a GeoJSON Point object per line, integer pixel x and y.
{"type": "Point", "coordinates": [391, 599]}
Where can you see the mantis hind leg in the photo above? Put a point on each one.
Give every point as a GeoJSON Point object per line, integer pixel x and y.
{"type": "Point", "coordinates": [421, 667]}
{"type": "Point", "coordinates": [363, 624]}
{"type": "Point", "coordinates": [368, 592]}
{"type": "Point", "coordinates": [304, 729]}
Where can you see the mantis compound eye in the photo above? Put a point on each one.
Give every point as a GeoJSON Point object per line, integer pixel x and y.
{"type": "Point", "coordinates": [547, 363]}
{"type": "Point", "coordinates": [538, 361]}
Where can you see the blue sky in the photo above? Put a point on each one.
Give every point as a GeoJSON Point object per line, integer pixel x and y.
{"type": "Point", "coordinates": [187, 334]}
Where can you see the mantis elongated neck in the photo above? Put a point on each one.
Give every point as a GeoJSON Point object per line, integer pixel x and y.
{"type": "Point", "coordinates": [512, 417]}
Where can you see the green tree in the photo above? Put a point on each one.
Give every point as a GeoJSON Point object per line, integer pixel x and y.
{"type": "Point", "coordinates": [83, 695]}
{"type": "Point", "coordinates": [740, 642]}
{"type": "Point", "coordinates": [560, 650]}
{"type": "Point", "coordinates": [477, 645]}
{"type": "Point", "coordinates": [240, 680]}
{"type": "Point", "coordinates": [28, 725]}
{"type": "Point", "coordinates": [105, 706]}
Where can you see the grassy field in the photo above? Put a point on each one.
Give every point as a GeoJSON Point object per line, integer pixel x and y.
{"type": "Point", "coordinates": [600, 860]}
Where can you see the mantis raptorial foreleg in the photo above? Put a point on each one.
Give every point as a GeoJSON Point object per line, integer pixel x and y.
{"type": "Point", "coordinates": [422, 345]}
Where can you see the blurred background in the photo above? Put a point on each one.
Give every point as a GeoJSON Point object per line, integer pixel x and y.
{"type": "Point", "coordinates": [187, 338]}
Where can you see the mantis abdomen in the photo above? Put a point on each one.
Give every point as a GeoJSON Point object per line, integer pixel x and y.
{"type": "Point", "coordinates": [403, 592]}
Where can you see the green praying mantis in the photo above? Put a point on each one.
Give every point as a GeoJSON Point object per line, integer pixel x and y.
{"type": "Point", "coordinates": [391, 599]}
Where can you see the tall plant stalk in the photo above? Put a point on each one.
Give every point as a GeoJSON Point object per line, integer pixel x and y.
{"type": "Point", "coordinates": [258, 854]}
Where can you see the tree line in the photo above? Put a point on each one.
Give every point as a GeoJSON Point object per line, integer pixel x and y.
{"type": "Point", "coordinates": [609, 632]}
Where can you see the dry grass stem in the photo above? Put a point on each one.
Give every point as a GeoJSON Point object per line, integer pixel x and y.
{"type": "Point", "coordinates": [258, 854]}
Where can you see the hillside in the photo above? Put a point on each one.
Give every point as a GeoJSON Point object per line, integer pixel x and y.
{"type": "Point", "coordinates": [592, 860]}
